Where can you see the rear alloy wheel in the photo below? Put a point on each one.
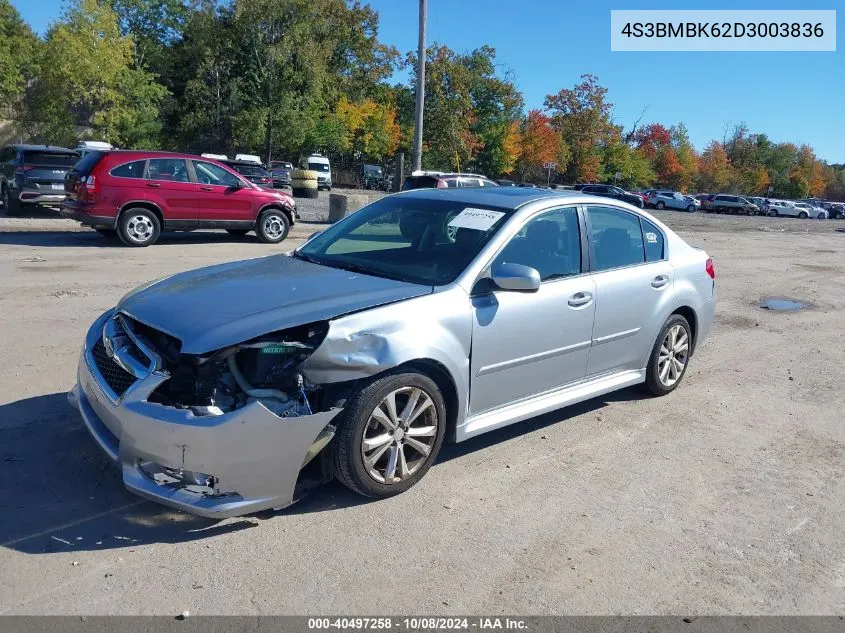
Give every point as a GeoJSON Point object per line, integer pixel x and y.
{"type": "Point", "coordinates": [773, 213]}
{"type": "Point", "coordinates": [803, 215]}
{"type": "Point", "coordinates": [390, 435]}
{"type": "Point", "coordinates": [138, 227]}
{"type": "Point", "coordinates": [691, 208]}
{"type": "Point", "coordinates": [273, 226]}
{"type": "Point", "coordinates": [660, 206]}
{"type": "Point", "coordinates": [669, 356]}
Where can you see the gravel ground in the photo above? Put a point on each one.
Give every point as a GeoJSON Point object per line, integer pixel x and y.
{"type": "Point", "coordinates": [723, 498]}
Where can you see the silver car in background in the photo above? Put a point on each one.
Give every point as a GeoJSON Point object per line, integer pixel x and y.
{"type": "Point", "coordinates": [672, 200]}
{"type": "Point", "coordinates": [428, 316]}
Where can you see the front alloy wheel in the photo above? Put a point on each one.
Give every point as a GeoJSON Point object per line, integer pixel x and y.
{"type": "Point", "coordinates": [400, 435]}
{"type": "Point", "coordinates": [389, 434]}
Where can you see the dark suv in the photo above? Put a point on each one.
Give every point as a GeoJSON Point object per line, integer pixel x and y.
{"type": "Point", "coordinates": [135, 195]}
{"type": "Point", "coordinates": [609, 191]}
{"type": "Point", "coordinates": [253, 172]}
{"type": "Point", "coordinates": [440, 180]}
{"type": "Point", "coordinates": [33, 174]}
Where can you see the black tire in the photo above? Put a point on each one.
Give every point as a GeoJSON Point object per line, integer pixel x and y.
{"type": "Point", "coordinates": [773, 213]}
{"type": "Point", "coordinates": [4, 200]}
{"type": "Point", "coordinates": [12, 205]}
{"type": "Point", "coordinates": [272, 226]}
{"type": "Point", "coordinates": [660, 206]}
{"type": "Point", "coordinates": [691, 208]}
{"type": "Point", "coordinates": [109, 233]}
{"type": "Point", "coordinates": [803, 215]}
{"type": "Point", "coordinates": [349, 467]}
{"type": "Point", "coordinates": [653, 384]}
{"type": "Point", "coordinates": [237, 232]}
{"type": "Point", "coordinates": [138, 227]}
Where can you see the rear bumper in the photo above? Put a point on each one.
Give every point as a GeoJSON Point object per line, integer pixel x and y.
{"type": "Point", "coordinates": [253, 456]}
{"type": "Point", "coordinates": [28, 196]}
{"type": "Point", "coordinates": [86, 214]}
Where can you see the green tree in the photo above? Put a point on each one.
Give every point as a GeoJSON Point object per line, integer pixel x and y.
{"type": "Point", "coordinates": [19, 51]}
{"type": "Point", "coordinates": [88, 77]}
{"type": "Point", "coordinates": [153, 26]}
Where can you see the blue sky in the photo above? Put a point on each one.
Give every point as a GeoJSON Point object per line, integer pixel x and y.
{"type": "Point", "coordinates": [546, 45]}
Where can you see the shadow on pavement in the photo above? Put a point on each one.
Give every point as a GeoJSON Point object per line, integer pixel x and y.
{"type": "Point", "coordinates": [59, 493]}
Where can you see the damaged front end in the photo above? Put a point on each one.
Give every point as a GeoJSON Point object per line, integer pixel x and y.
{"type": "Point", "coordinates": [220, 434]}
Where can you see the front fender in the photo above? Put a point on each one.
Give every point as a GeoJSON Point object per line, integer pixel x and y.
{"type": "Point", "coordinates": [434, 327]}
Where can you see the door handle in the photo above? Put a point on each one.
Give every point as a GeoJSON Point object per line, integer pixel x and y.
{"type": "Point", "coordinates": [206, 189]}
{"type": "Point", "coordinates": [659, 281]}
{"type": "Point", "coordinates": [154, 185]}
{"type": "Point", "coordinates": [580, 299]}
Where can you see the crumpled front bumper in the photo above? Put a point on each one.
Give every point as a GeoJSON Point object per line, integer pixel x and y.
{"type": "Point", "coordinates": [254, 455]}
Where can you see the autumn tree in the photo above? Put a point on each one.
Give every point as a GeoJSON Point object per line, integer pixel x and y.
{"type": "Point", "coordinates": [714, 168]}
{"type": "Point", "coordinates": [581, 116]}
{"type": "Point", "coordinates": [538, 143]}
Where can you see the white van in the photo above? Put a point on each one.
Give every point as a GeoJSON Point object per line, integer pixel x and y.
{"type": "Point", "coordinates": [85, 147]}
{"type": "Point", "coordinates": [323, 167]}
{"type": "Point", "coordinates": [251, 158]}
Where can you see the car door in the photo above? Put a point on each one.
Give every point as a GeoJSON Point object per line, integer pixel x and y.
{"type": "Point", "coordinates": [633, 283]}
{"type": "Point", "coordinates": [224, 199]}
{"type": "Point", "coordinates": [524, 343]}
{"type": "Point", "coordinates": [168, 185]}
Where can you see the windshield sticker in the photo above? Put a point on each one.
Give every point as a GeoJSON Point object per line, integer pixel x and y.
{"type": "Point", "coordinates": [476, 219]}
{"type": "Point", "coordinates": [651, 238]}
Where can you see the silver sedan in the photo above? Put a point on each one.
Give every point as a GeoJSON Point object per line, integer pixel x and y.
{"type": "Point", "coordinates": [427, 316]}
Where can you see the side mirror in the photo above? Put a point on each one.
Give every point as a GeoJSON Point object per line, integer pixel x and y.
{"type": "Point", "coordinates": [516, 277]}
{"type": "Point", "coordinates": [237, 185]}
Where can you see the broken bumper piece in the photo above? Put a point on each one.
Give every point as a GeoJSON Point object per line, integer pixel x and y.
{"type": "Point", "coordinates": [213, 466]}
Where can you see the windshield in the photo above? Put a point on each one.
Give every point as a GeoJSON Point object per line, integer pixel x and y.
{"type": "Point", "coordinates": [427, 242]}
{"type": "Point", "coordinates": [318, 167]}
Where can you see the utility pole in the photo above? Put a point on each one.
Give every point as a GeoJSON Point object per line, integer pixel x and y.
{"type": "Point", "coordinates": [418, 113]}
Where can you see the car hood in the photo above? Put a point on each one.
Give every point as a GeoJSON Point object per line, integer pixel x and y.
{"type": "Point", "coordinates": [211, 308]}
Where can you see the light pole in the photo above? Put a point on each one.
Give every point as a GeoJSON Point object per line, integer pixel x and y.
{"type": "Point", "coordinates": [418, 112]}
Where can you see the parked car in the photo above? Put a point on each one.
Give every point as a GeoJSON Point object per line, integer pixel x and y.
{"type": "Point", "coordinates": [33, 175]}
{"type": "Point", "coordinates": [757, 201]}
{"type": "Point", "coordinates": [323, 167]}
{"type": "Point", "coordinates": [663, 199]}
{"type": "Point", "coordinates": [135, 195]}
{"type": "Point", "coordinates": [786, 208]}
{"type": "Point", "coordinates": [725, 203]}
{"type": "Point", "coordinates": [253, 172]}
{"type": "Point", "coordinates": [837, 210]}
{"type": "Point", "coordinates": [250, 158]}
{"type": "Point", "coordinates": [609, 191]}
{"type": "Point", "coordinates": [540, 300]}
{"type": "Point", "coordinates": [807, 210]}
{"type": "Point", "coordinates": [706, 200]}
{"type": "Point", "coordinates": [441, 180]}
{"type": "Point", "coordinates": [280, 171]}
{"type": "Point", "coordinates": [372, 177]}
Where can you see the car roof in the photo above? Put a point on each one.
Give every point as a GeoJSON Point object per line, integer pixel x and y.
{"type": "Point", "coordinates": [43, 148]}
{"type": "Point", "coordinates": [240, 162]}
{"type": "Point", "coordinates": [502, 197]}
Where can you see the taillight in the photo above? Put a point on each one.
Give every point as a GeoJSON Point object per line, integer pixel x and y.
{"type": "Point", "coordinates": [20, 171]}
{"type": "Point", "coordinates": [709, 268]}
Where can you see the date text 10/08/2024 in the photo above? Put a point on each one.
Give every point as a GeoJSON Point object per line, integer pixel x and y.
{"type": "Point", "coordinates": [417, 623]}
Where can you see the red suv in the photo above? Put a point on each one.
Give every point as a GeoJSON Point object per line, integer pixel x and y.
{"type": "Point", "coordinates": [136, 195]}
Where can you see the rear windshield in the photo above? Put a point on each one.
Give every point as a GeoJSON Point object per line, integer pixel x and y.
{"type": "Point", "coordinates": [50, 158]}
{"type": "Point", "coordinates": [87, 163]}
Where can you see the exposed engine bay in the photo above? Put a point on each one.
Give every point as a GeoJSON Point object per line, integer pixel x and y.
{"type": "Point", "coordinates": [265, 369]}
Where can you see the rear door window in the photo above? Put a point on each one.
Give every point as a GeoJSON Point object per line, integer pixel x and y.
{"type": "Point", "coordinates": [616, 238]}
{"type": "Point", "coordinates": [134, 169]}
{"type": "Point", "coordinates": [168, 169]}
